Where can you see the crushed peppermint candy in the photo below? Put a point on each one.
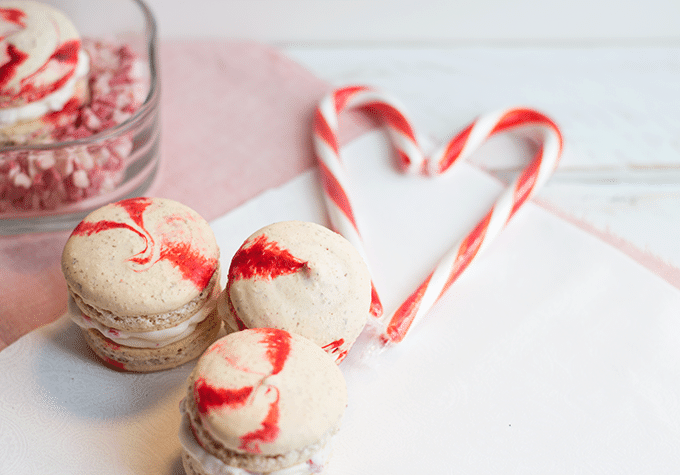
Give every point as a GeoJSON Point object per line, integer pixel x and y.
{"type": "Point", "coordinates": [32, 180]}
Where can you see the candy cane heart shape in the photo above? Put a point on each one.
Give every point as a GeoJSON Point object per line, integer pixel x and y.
{"type": "Point", "coordinates": [395, 326]}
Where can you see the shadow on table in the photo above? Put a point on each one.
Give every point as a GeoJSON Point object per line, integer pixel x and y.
{"type": "Point", "coordinates": [71, 378]}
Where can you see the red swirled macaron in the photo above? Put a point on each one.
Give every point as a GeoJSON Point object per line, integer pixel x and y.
{"type": "Point", "coordinates": [43, 68]}
{"type": "Point", "coordinates": [261, 401]}
{"type": "Point", "coordinates": [300, 277]}
{"type": "Point", "coordinates": [143, 277]}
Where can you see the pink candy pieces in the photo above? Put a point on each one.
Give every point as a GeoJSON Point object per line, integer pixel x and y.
{"type": "Point", "coordinates": [35, 180]}
{"type": "Point", "coordinates": [395, 326]}
{"type": "Point", "coordinates": [117, 89]}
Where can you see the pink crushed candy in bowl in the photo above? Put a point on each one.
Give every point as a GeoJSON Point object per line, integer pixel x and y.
{"type": "Point", "coordinates": [46, 179]}
{"type": "Point", "coordinates": [99, 147]}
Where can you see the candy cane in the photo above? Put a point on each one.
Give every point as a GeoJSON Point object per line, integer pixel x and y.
{"type": "Point", "coordinates": [410, 158]}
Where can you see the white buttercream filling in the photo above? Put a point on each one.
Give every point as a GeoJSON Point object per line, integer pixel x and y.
{"type": "Point", "coordinates": [55, 101]}
{"type": "Point", "coordinates": [150, 339]}
{"type": "Point", "coordinates": [211, 464]}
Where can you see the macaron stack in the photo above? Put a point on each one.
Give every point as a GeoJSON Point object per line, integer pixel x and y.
{"type": "Point", "coordinates": [43, 78]}
{"type": "Point", "coordinates": [261, 401]}
{"type": "Point", "coordinates": [143, 277]}
{"type": "Point", "coordinates": [300, 277]}
{"type": "Point", "coordinates": [267, 398]}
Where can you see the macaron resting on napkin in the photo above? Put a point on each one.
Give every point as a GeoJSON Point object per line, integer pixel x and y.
{"type": "Point", "coordinates": [261, 401]}
{"type": "Point", "coordinates": [300, 277]}
{"type": "Point", "coordinates": [143, 277]}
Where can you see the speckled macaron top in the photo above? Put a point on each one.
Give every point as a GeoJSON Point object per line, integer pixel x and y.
{"type": "Point", "coordinates": [300, 277]}
{"type": "Point", "coordinates": [141, 256]}
{"type": "Point", "coordinates": [267, 391]}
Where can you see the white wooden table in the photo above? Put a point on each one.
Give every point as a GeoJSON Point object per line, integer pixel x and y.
{"type": "Point", "coordinates": [608, 74]}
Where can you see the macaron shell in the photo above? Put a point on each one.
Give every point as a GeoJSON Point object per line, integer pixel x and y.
{"type": "Point", "coordinates": [267, 391]}
{"type": "Point", "coordinates": [144, 360]}
{"type": "Point", "coordinates": [191, 467]}
{"type": "Point", "coordinates": [324, 294]}
{"type": "Point", "coordinates": [42, 44]}
{"type": "Point", "coordinates": [38, 130]}
{"type": "Point", "coordinates": [140, 256]}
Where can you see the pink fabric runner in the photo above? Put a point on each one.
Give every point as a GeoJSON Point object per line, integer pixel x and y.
{"type": "Point", "coordinates": [236, 120]}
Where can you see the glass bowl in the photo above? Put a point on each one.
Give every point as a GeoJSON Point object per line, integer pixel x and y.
{"type": "Point", "coordinates": [115, 163]}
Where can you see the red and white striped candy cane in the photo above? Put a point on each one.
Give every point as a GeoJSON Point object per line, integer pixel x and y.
{"type": "Point", "coordinates": [411, 159]}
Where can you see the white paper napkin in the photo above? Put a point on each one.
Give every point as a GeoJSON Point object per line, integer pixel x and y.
{"type": "Point", "coordinates": [553, 353]}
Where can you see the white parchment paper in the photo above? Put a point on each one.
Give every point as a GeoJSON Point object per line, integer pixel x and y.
{"type": "Point", "coordinates": [553, 353]}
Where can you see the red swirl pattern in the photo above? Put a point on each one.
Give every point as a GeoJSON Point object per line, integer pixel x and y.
{"type": "Point", "coordinates": [191, 263]}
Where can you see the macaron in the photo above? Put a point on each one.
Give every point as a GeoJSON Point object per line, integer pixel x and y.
{"type": "Point", "coordinates": [261, 401]}
{"type": "Point", "coordinates": [43, 76]}
{"type": "Point", "coordinates": [143, 278]}
{"type": "Point", "coordinates": [300, 277]}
